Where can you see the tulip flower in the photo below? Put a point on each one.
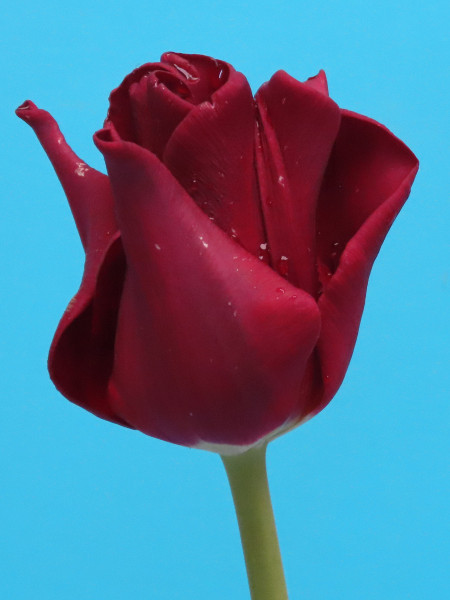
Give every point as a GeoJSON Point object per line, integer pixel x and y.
{"type": "Point", "coordinates": [228, 252]}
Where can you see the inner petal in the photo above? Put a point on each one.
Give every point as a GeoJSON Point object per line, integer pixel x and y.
{"type": "Point", "coordinates": [297, 126]}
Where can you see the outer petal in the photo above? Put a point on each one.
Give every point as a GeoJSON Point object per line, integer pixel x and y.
{"type": "Point", "coordinates": [299, 124]}
{"type": "Point", "coordinates": [211, 343]}
{"type": "Point", "coordinates": [87, 190]}
{"type": "Point", "coordinates": [81, 353]}
{"type": "Point", "coordinates": [367, 182]}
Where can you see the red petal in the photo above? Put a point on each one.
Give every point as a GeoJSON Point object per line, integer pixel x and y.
{"type": "Point", "coordinates": [319, 82]}
{"type": "Point", "coordinates": [87, 190]}
{"type": "Point", "coordinates": [153, 99]}
{"type": "Point", "coordinates": [156, 113]}
{"type": "Point", "coordinates": [367, 182]}
{"type": "Point", "coordinates": [211, 153]}
{"type": "Point", "coordinates": [82, 351]}
{"type": "Point", "coordinates": [81, 354]}
{"type": "Point", "coordinates": [298, 127]}
{"type": "Point", "coordinates": [204, 75]}
{"type": "Point", "coordinates": [211, 343]}
{"type": "Point", "coordinates": [120, 111]}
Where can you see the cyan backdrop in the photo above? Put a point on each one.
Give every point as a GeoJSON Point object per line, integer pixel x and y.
{"type": "Point", "coordinates": [90, 510]}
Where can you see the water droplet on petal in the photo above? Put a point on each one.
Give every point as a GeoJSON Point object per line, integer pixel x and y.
{"type": "Point", "coordinates": [263, 253]}
{"type": "Point", "coordinates": [185, 73]}
{"type": "Point", "coordinates": [194, 185]}
{"type": "Point", "coordinates": [335, 255]}
{"type": "Point", "coordinates": [81, 169]}
{"type": "Point", "coordinates": [283, 266]}
{"type": "Point", "coordinates": [234, 234]}
{"type": "Point", "coordinates": [205, 244]}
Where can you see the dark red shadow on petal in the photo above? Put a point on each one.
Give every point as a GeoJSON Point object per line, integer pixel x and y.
{"type": "Point", "coordinates": [82, 353]}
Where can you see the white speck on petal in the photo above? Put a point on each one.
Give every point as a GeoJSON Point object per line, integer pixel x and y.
{"type": "Point", "coordinates": [263, 246]}
{"type": "Point", "coordinates": [187, 75]}
{"type": "Point", "coordinates": [157, 246]}
{"type": "Point", "coordinates": [81, 169]}
{"type": "Point", "coordinates": [281, 180]}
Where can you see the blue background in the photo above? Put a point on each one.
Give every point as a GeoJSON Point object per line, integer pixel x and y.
{"type": "Point", "coordinates": [361, 494]}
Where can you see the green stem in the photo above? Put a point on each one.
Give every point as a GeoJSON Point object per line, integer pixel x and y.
{"type": "Point", "coordinates": [248, 481]}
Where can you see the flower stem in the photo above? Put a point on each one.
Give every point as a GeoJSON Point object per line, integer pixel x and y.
{"type": "Point", "coordinates": [248, 481]}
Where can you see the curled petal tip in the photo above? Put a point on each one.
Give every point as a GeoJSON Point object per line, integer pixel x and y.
{"type": "Point", "coordinates": [34, 116]}
{"type": "Point", "coordinates": [27, 105]}
{"type": "Point", "coordinates": [166, 55]}
{"type": "Point", "coordinates": [105, 137]}
{"type": "Point", "coordinates": [26, 110]}
{"type": "Point", "coordinates": [319, 82]}
{"type": "Point", "coordinates": [86, 189]}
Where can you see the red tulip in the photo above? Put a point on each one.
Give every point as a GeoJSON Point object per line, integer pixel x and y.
{"type": "Point", "coordinates": [227, 251]}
